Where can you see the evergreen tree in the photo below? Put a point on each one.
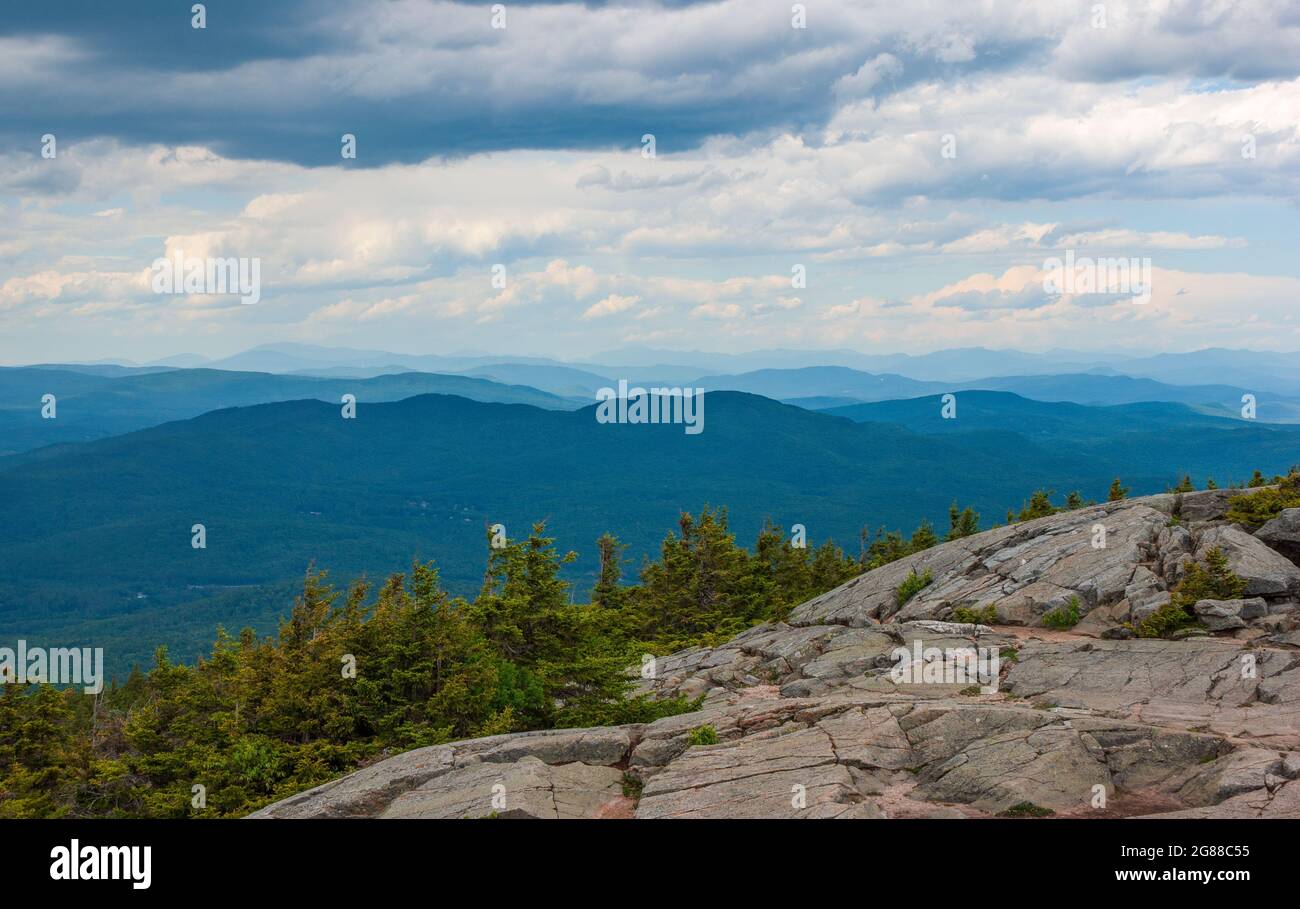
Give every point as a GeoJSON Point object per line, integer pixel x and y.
{"type": "Point", "coordinates": [830, 568]}
{"type": "Point", "coordinates": [923, 537]}
{"type": "Point", "coordinates": [607, 591]}
{"type": "Point", "coordinates": [702, 582]}
{"type": "Point", "coordinates": [522, 597]}
{"type": "Point", "coordinates": [969, 523]}
{"type": "Point", "coordinates": [38, 752]}
{"type": "Point", "coordinates": [425, 672]}
{"type": "Point", "coordinates": [962, 523]}
{"type": "Point", "coordinates": [780, 570]}
{"type": "Point", "coordinates": [1038, 506]}
{"type": "Point", "coordinates": [886, 547]}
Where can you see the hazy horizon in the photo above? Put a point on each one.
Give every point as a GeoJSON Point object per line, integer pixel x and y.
{"type": "Point", "coordinates": [594, 357]}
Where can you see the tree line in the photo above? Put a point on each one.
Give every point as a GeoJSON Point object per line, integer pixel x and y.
{"type": "Point", "coordinates": [358, 673]}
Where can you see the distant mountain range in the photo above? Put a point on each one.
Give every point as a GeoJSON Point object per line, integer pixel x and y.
{"type": "Point", "coordinates": [92, 403]}
{"type": "Point", "coordinates": [838, 384]}
{"type": "Point", "coordinates": [100, 400]}
{"type": "Point", "coordinates": [1055, 422]}
{"type": "Point", "coordinates": [289, 357]}
{"type": "Point", "coordinates": [95, 538]}
{"type": "Point", "coordinates": [1255, 371]}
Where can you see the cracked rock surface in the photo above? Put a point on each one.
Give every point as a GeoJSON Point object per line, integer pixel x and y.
{"type": "Point", "coordinates": [814, 719]}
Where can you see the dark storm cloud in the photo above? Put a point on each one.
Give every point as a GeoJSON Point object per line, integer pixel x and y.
{"type": "Point", "coordinates": [284, 81]}
{"type": "Point", "coordinates": [157, 36]}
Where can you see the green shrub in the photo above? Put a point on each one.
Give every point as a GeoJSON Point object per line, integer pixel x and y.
{"type": "Point", "coordinates": [912, 585]}
{"type": "Point", "coordinates": [1027, 809]}
{"type": "Point", "coordinates": [1214, 581]}
{"type": "Point", "coordinates": [1255, 509]}
{"type": "Point", "coordinates": [639, 709]}
{"type": "Point", "coordinates": [632, 786]}
{"type": "Point", "coordinates": [987, 615]}
{"type": "Point", "coordinates": [1164, 622]}
{"type": "Point", "coordinates": [1063, 617]}
{"type": "Point", "coordinates": [704, 735]}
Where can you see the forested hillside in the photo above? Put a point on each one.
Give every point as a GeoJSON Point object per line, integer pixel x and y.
{"type": "Point", "coordinates": [96, 540]}
{"type": "Point", "coordinates": [91, 403]}
{"type": "Point", "coordinates": [358, 672]}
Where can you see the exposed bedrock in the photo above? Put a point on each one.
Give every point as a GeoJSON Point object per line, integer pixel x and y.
{"type": "Point", "coordinates": [815, 717]}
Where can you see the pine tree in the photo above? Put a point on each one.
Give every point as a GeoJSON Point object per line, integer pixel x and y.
{"type": "Point", "coordinates": [830, 568]}
{"type": "Point", "coordinates": [607, 592]}
{"type": "Point", "coordinates": [1039, 506]}
{"type": "Point", "coordinates": [1117, 491]}
{"type": "Point", "coordinates": [702, 581]}
{"type": "Point", "coordinates": [310, 611]}
{"type": "Point", "coordinates": [969, 523]}
{"type": "Point", "coordinates": [425, 672]}
{"type": "Point", "coordinates": [886, 547]}
{"type": "Point", "coordinates": [39, 754]}
{"type": "Point", "coordinates": [521, 594]}
{"type": "Point", "coordinates": [923, 537]}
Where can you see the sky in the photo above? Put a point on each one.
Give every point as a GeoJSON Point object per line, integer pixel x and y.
{"type": "Point", "coordinates": [919, 164]}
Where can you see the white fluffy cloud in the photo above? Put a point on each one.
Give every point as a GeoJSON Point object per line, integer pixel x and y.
{"type": "Point", "coordinates": [1123, 140]}
{"type": "Point", "coordinates": [1186, 310]}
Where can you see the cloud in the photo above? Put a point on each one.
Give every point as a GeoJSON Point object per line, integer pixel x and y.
{"type": "Point", "coordinates": [717, 311]}
{"type": "Point", "coordinates": [1122, 238]}
{"type": "Point", "coordinates": [614, 303]}
{"type": "Point", "coordinates": [780, 304]}
{"type": "Point", "coordinates": [1202, 38]}
{"type": "Point", "coordinates": [868, 76]}
{"type": "Point", "coordinates": [988, 309]}
{"type": "Point", "coordinates": [1030, 136]}
{"type": "Point", "coordinates": [1174, 132]}
{"type": "Point", "coordinates": [296, 75]}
